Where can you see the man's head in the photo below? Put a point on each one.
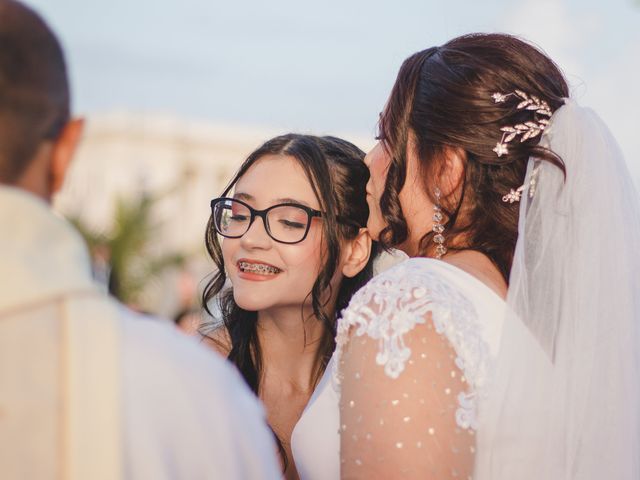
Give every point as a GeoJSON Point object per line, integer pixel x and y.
{"type": "Point", "coordinates": [37, 136]}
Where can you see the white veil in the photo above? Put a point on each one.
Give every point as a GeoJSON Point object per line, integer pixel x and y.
{"type": "Point", "coordinates": [566, 398]}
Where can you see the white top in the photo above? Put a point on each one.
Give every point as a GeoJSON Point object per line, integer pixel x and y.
{"type": "Point", "coordinates": [400, 309]}
{"type": "Point", "coordinates": [89, 389]}
{"type": "Point", "coordinates": [315, 441]}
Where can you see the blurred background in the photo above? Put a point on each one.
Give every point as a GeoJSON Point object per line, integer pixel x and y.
{"type": "Point", "coordinates": [177, 93]}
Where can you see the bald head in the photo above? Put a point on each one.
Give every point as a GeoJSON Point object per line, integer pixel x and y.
{"type": "Point", "coordinates": [34, 89]}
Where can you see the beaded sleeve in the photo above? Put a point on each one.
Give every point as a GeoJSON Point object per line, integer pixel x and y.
{"type": "Point", "coordinates": [411, 363]}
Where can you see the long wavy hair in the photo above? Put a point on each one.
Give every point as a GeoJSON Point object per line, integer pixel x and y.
{"type": "Point", "coordinates": [338, 176]}
{"type": "Point", "coordinates": [443, 96]}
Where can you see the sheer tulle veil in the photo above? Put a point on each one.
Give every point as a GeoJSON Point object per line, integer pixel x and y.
{"type": "Point", "coordinates": [566, 394]}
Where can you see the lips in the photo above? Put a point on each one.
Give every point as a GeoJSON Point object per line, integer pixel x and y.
{"type": "Point", "coordinates": [258, 268]}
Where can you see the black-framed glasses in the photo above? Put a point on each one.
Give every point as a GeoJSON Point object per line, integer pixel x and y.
{"type": "Point", "coordinates": [285, 223]}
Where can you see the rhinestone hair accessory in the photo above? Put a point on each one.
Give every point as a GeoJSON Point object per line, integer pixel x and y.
{"type": "Point", "coordinates": [515, 195]}
{"type": "Point", "coordinates": [525, 130]}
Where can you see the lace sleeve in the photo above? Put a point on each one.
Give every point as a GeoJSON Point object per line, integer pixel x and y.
{"type": "Point", "coordinates": [410, 362]}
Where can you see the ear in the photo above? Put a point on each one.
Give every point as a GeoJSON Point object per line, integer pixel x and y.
{"type": "Point", "coordinates": [63, 152]}
{"type": "Point", "coordinates": [356, 253]}
{"type": "Point", "coordinates": [455, 160]}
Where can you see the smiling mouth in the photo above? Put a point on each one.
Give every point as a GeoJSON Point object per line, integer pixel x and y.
{"type": "Point", "coordinates": [258, 268]}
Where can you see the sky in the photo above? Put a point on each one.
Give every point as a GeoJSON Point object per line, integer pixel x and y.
{"type": "Point", "coordinates": [325, 67]}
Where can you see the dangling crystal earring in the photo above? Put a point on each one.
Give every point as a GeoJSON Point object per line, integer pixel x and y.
{"type": "Point", "coordinates": [438, 227]}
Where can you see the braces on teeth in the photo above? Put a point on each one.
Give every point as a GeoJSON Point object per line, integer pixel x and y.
{"type": "Point", "coordinates": [258, 268]}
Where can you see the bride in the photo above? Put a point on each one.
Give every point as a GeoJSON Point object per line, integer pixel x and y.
{"type": "Point", "coordinates": [507, 345]}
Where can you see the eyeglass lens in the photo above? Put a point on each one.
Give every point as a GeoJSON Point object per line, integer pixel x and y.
{"type": "Point", "coordinates": [285, 223]}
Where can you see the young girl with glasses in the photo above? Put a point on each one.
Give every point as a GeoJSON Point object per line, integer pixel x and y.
{"type": "Point", "coordinates": [289, 234]}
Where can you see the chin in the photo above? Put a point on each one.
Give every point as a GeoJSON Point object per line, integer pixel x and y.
{"type": "Point", "coordinates": [248, 304]}
{"type": "Point", "coordinates": [246, 300]}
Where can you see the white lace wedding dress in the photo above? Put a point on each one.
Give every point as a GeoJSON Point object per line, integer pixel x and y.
{"type": "Point", "coordinates": [413, 358]}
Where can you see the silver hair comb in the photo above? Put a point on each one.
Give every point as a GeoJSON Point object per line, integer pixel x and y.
{"type": "Point", "coordinates": [515, 195]}
{"type": "Point", "coordinates": [526, 130]}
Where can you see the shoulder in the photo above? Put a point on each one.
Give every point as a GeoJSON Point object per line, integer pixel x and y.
{"type": "Point", "coordinates": [392, 307]}
{"type": "Point", "coordinates": [479, 266]}
{"type": "Point", "coordinates": [157, 359]}
{"type": "Point", "coordinates": [217, 339]}
{"type": "Point", "coordinates": [178, 393]}
{"type": "Point", "coordinates": [409, 273]}
{"type": "Point", "coordinates": [152, 345]}
{"type": "Point", "coordinates": [409, 290]}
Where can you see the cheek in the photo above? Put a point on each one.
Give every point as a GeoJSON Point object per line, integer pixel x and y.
{"type": "Point", "coordinates": [304, 261]}
{"type": "Point", "coordinates": [304, 258]}
{"type": "Point", "coordinates": [417, 209]}
{"type": "Point", "coordinates": [228, 248]}
{"type": "Point", "coordinates": [375, 222]}
{"type": "Point", "coordinates": [378, 172]}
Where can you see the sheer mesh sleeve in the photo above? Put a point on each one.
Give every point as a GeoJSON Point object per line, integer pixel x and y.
{"type": "Point", "coordinates": [409, 361]}
{"type": "Point", "coordinates": [404, 427]}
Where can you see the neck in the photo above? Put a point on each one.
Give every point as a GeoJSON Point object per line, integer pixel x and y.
{"type": "Point", "coordinates": [36, 178]}
{"type": "Point", "coordinates": [290, 340]}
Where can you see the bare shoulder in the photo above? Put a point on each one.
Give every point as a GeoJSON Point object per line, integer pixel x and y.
{"type": "Point", "coordinates": [218, 339]}
{"type": "Point", "coordinates": [481, 267]}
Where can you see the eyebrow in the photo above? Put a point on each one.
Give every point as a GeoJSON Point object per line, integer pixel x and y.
{"type": "Point", "coordinates": [243, 196]}
{"type": "Point", "coordinates": [291, 200]}
{"type": "Point", "coordinates": [248, 197]}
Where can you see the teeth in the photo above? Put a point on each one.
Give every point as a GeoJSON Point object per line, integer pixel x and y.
{"type": "Point", "coordinates": [258, 268]}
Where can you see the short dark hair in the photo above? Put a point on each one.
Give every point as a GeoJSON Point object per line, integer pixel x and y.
{"type": "Point", "coordinates": [34, 88]}
{"type": "Point", "coordinates": [443, 95]}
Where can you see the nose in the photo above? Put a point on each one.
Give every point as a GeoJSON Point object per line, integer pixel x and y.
{"type": "Point", "coordinates": [256, 236]}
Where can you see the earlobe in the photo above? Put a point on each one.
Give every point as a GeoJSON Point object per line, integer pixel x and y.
{"type": "Point", "coordinates": [63, 152]}
{"type": "Point", "coordinates": [357, 254]}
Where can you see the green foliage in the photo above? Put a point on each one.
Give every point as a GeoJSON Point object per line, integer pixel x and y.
{"type": "Point", "coordinates": [129, 248]}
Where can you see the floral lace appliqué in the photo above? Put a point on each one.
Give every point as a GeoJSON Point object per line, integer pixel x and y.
{"type": "Point", "coordinates": [394, 303]}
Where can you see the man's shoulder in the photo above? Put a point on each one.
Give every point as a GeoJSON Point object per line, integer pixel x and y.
{"type": "Point", "coordinates": [153, 354]}
{"type": "Point", "coordinates": [177, 392]}
{"type": "Point", "coordinates": [154, 345]}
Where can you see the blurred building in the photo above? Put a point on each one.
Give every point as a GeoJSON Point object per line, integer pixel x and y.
{"type": "Point", "coordinates": [125, 155]}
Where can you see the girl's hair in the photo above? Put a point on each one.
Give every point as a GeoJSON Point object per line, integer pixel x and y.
{"type": "Point", "coordinates": [443, 96]}
{"type": "Point", "coordinates": [338, 176]}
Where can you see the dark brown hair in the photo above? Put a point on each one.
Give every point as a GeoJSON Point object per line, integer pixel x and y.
{"type": "Point", "coordinates": [34, 89]}
{"type": "Point", "coordinates": [338, 176]}
{"type": "Point", "coordinates": [443, 96]}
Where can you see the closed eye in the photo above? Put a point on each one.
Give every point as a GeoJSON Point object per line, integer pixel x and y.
{"type": "Point", "coordinates": [290, 224]}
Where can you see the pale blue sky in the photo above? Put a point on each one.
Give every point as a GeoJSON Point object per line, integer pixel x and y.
{"type": "Point", "coordinates": [324, 66]}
